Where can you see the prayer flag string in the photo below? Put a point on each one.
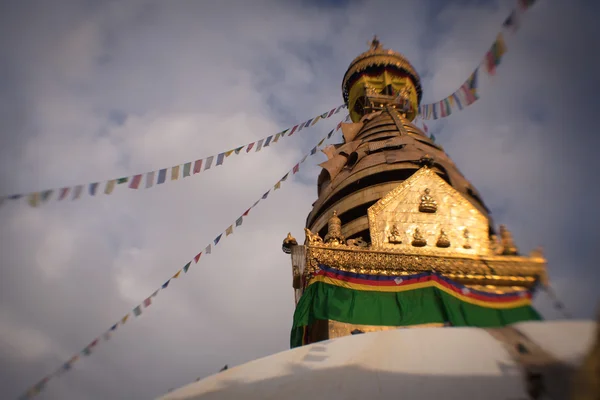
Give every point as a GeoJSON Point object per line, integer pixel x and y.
{"type": "Point", "coordinates": [139, 309]}
{"type": "Point", "coordinates": [158, 177]}
{"type": "Point", "coordinates": [467, 94]}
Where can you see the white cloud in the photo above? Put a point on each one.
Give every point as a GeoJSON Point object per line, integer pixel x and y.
{"type": "Point", "coordinates": [194, 80]}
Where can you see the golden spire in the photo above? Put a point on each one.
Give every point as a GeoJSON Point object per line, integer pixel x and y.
{"type": "Point", "coordinates": [334, 230]}
{"type": "Point", "coordinates": [375, 43]}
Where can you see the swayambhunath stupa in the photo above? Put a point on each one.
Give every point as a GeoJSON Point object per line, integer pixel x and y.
{"type": "Point", "coordinates": [399, 238]}
{"type": "Point", "coordinates": [398, 284]}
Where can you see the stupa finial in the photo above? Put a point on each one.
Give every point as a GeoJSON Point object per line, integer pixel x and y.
{"type": "Point", "coordinates": [375, 43]}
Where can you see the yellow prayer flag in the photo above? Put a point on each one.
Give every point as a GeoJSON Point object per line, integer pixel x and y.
{"type": "Point", "coordinates": [176, 275]}
{"type": "Point", "coordinates": [34, 199]}
{"type": "Point", "coordinates": [229, 230]}
{"type": "Point", "coordinates": [278, 185]}
{"type": "Point", "coordinates": [228, 153]}
{"type": "Point", "coordinates": [110, 185]}
{"type": "Point", "coordinates": [124, 319]}
{"type": "Point", "coordinates": [500, 46]}
{"type": "Point", "coordinates": [175, 173]}
{"type": "Point", "coordinates": [451, 101]}
{"type": "Point", "coordinates": [315, 121]}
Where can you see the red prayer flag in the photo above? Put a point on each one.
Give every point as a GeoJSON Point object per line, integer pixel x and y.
{"type": "Point", "coordinates": [331, 112]}
{"type": "Point", "coordinates": [135, 182]}
{"type": "Point", "coordinates": [250, 146]}
{"type": "Point", "coordinates": [63, 193]}
{"type": "Point", "coordinates": [147, 302]}
{"type": "Point", "coordinates": [296, 168]}
{"type": "Point", "coordinates": [197, 258]}
{"type": "Point", "coordinates": [339, 127]}
{"type": "Point", "coordinates": [197, 166]}
{"type": "Point", "coordinates": [246, 213]}
{"type": "Point", "coordinates": [490, 63]}
{"type": "Point", "coordinates": [293, 130]}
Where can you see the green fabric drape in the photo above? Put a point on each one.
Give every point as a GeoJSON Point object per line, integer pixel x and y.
{"type": "Point", "coordinates": [322, 301]}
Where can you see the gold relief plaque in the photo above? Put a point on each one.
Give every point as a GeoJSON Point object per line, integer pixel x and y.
{"type": "Point", "coordinates": [425, 215]}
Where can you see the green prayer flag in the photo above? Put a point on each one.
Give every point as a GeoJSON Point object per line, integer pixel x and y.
{"type": "Point", "coordinates": [122, 180]}
{"type": "Point", "coordinates": [186, 169]}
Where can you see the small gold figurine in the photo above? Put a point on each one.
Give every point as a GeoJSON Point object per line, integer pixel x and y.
{"type": "Point", "coordinates": [428, 204]}
{"type": "Point", "coordinates": [394, 236]}
{"type": "Point", "coordinates": [508, 245]}
{"type": "Point", "coordinates": [443, 240]}
{"type": "Point", "coordinates": [418, 239]}
{"type": "Point", "coordinates": [358, 242]}
{"type": "Point", "coordinates": [288, 243]}
{"type": "Point", "coordinates": [312, 238]}
{"type": "Point", "coordinates": [334, 231]}
{"type": "Point", "coordinates": [495, 246]}
{"type": "Point", "coordinates": [467, 245]}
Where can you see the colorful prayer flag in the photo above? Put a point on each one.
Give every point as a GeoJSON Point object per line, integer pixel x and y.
{"type": "Point", "coordinates": [93, 187]}
{"type": "Point", "coordinates": [285, 177]}
{"type": "Point", "coordinates": [220, 158]}
{"type": "Point", "coordinates": [238, 222]}
{"type": "Point", "coordinates": [330, 134]}
{"type": "Point", "coordinates": [259, 145]}
{"type": "Point", "coordinates": [46, 194]}
{"type": "Point", "coordinates": [124, 319]}
{"type": "Point", "coordinates": [196, 259]}
{"type": "Point", "coordinates": [264, 196]}
{"type": "Point", "coordinates": [147, 302]}
{"type": "Point", "coordinates": [246, 213]}
{"type": "Point", "coordinates": [268, 140]}
{"type": "Point", "coordinates": [296, 168]}
{"type": "Point", "coordinates": [237, 151]}
{"type": "Point", "coordinates": [149, 179]}
{"type": "Point", "coordinates": [250, 146]}
{"type": "Point", "coordinates": [166, 284]}
{"type": "Point", "coordinates": [137, 311]}
{"type": "Point", "coordinates": [175, 173]}
{"type": "Point", "coordinates": [277, 185]}
{"type": "Point", "coordinates": [276, 137]}
{"type": "Point", "coordinates": [34, 199]}
{"type": "Point", "coordinates": [186, 169]}
{"type": "Point", "coordinates": [313, 150]}
{"type": "Point", "coordinates": [208, 249]}
{"type": "Point", "coordinates": [331, 112]}
{"type": "Point", "coordinates": [217, 239]}
{"type": "Point", "coordinates": [197, 166]}
{"type": "Point", "coordinates": [293, 130]}
{"type": "Point", "coordinates": [229, 230]}
{"type": "Point", "coordinates": [63, 193]}
{"type": "Point", "coordinates": [208, 163]}
{"type": "Point", "coordinates": [448, 108]}
{"type": "Point", "coordinates": [176, 275]}
{"type": "Point", "coordinates": [228, 153]}
{"type": "Point", "coordinates": [162, 176]}
{"type": "Point", "coordinates": [110, 185]}
{"type": "Point", "coordinates": [135, 182]}
{"type": "Point", "coordinates": [122, 180]}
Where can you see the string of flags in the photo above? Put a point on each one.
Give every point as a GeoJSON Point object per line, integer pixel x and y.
{"type": "Point", "coordinates": [138, 310]}
{"type": "Point", "coordinates": [467, 94]}
{"type": "Point", "coordinates": [149, 179]}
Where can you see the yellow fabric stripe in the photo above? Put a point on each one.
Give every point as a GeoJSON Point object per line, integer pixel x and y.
{"type": "Point", "coordinates": [466, 299]}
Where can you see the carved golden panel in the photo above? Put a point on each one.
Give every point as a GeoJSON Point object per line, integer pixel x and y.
{"type": "Point", "coordinates": [340, 329]}
{"type": "Point", "coordinates": [407, 209]}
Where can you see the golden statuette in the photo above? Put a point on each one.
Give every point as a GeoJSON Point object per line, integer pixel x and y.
{"type": "Point", "coordinates": [508, 245]}
{"type": "Point", "coordinates": [394, 236]}
{"type": "Point", "coordinates": [466, 235]}
{"type": "Point", "coordinates": [288, 242]}
{"type": "Point", "coordinates": [358, 242]}
{"type": "Point", "coordinates": [495, 246]}
{"type": "Point", "coordinates": [334, 231]}
{"type": "Point", "coordinates": [428, 204]}
{"type": "Point", "coordinates": [443, 240]}
{"type": "Point", "coordinates": [418, 239]}
{"type": "Point", "coordinates": [312, 238]}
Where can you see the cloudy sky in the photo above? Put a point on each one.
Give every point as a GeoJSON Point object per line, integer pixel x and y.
{"type": "Point", "coordinates": [95, 90]}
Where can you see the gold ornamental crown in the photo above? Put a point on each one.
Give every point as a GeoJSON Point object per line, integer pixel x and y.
{"type": "Point", "coordinates": [377, 56]}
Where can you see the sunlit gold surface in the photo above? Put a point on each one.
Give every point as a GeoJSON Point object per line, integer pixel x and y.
{"type": "Point", "coordinates": [445, 209]}
{"type": "Point", "coordinates": [340, 329]}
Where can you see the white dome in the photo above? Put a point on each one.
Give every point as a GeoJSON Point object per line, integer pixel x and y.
{"type": "Point", "coordinates": [418, 363]}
